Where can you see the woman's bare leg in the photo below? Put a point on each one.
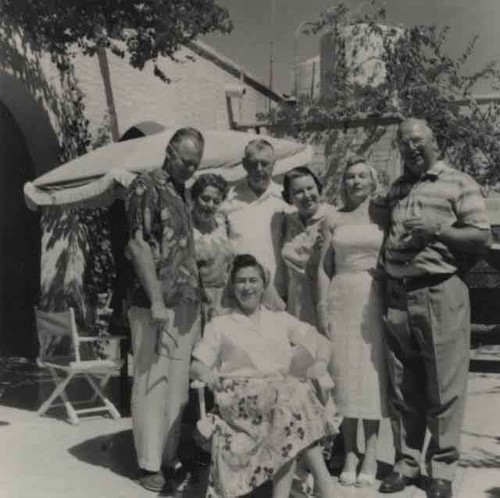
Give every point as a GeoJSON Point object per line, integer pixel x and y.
{"type": "Point", "coordinates": [371, 428]}
{"type": "Point", "coordinates": [323, 482]}
{"type": "Point", "coordinates": [282, 481]}
{"type": "Point", "coordinates": [350, 435]}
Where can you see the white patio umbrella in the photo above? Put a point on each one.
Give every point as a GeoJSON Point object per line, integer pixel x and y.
{"type": "Point", "coordinates": [99, 177]}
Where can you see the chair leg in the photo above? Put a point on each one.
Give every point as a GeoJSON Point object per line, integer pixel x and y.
{"type": "Point", "coordinates": [60, 387]}
{"type": "Point", "coordinates": [102, 384]}
{"type": "Point", "coordinates": [111, 408]}
{"type": "Point", "coordinates": [201, 401]}
{"type": "Point", "coordinates": [70, 411]}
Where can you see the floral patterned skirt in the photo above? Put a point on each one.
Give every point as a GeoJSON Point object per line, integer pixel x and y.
{"type": "Point", "coordinates": [263, 424]}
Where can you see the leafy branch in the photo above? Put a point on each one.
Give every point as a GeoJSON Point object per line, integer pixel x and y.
{"type": "Point", "coordinates": [140, 30]}
{"type": "Point", "coordinates": [381, 70]}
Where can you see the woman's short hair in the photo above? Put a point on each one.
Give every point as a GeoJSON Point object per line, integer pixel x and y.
{"type": "Point", "coordinates": [350, 162]}
{"type": "Point", "coordinates": [209, 180]}
{"type": "Point", "coordinates": [246, 261]}
{"type": "Point", "coordinates": [298, 172]}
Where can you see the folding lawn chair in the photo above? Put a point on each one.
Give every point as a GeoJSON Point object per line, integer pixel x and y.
{"type": "Point", "coordinates": [60, 353]}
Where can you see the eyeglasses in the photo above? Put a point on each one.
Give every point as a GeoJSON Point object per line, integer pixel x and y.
{"type": "Point", "coordinates": [186, 165]}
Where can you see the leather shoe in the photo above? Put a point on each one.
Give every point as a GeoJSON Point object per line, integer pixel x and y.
{"type": "Point", "coordinates": [152, 481]}
{"type": "Point", "coordinates": [439, 488]}
{"type": "Point", "coordinates": [396, 482]}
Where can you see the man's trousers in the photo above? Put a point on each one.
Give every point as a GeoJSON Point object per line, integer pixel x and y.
{"type": "Point", "coordinates": [428, 342]}
{"type": "Point", "coordinates": [161, 382]}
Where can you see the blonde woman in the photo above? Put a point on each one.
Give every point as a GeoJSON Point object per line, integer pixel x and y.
{"type": "Point", "coordinates": [350, 314]}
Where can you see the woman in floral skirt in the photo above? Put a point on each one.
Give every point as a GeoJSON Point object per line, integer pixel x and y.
{"type": "Point", "coordinates": [265, 417]}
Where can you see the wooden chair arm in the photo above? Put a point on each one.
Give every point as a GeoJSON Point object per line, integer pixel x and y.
{"type": "Point", "coordinates": [104, 338]}
{"type": "Point", "coordinates": [200, 387]}
{"type": "Point", "coordinates": [197, 384]}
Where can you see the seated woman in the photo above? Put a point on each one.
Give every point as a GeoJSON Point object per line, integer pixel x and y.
{"type": "Point", "coordinates": [267, 417]}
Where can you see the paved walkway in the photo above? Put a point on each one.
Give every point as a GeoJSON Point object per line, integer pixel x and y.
{"type": "Point", "coordinates": [49, 458]}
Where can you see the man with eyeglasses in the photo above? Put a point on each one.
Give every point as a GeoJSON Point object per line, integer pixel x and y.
{"type": "Point", "coordinates": [437, 213]}
{"type": "Point", "coordinates": [165, 305]}
{"type": "Point", "coordinates": [254, 208]}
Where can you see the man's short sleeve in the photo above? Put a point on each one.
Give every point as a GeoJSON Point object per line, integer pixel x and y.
{"type": "Point", "coordinates": [207, 350]}
{"type": "Point", "coordinates": [470, 206]}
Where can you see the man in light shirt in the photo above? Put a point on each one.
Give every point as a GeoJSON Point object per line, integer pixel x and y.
{"type": "Point", "coordinates": [254, 208]}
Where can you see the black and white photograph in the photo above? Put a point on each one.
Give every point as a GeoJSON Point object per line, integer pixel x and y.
{"type": "Point", "coordinates": [250, 248]}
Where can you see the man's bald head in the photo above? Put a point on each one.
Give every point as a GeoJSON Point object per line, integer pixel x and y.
{"type": "Point", "coordinates": [409, 123]}
{"type": "Point", "coordinates": [259, 162]}
{"type": "Point", "coordinates": [417, 146]}
{"type": "Point", "coordinates": [183, 154]}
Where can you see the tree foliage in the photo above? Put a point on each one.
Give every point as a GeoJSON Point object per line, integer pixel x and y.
{"type": "Point", "coordinates": [420, 79]}
{"type": "Point", "coordinates": [140, 30]}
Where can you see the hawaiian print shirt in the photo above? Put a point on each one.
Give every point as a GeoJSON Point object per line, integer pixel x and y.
{"type": "Point", "coordinates": [157, 208]}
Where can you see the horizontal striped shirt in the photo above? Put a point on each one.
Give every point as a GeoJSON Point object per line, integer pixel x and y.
{"type": "Point", "coordinates": [442, 194]}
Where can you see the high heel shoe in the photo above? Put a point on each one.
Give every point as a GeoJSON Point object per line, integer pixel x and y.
{"type": "Point", "coordinates": [347, 478]}
{"type": "Point", "coordinates": [365, 480]}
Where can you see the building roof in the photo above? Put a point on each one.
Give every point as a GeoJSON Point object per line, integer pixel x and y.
{"type": "Point", "coordinates": [209, 53]}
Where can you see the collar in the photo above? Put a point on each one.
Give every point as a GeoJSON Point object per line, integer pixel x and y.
{"type": "Point", "coordinates": [244, 193]}
{"type": "Point", "coordinates": [433, 172]}
{"type": "Point", "coordinates": [237, 315]}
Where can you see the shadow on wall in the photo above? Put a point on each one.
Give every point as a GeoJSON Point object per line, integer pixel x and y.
{"type": "Point", "coordinates": [64, 243]}
{"type": "Point", "coordinates": [43, 96]}
{"type": "Point", "coordinates": [55, 90]}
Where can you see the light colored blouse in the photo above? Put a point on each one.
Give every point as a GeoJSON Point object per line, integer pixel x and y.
{"type": "Point", "coordinates": [300, 255]}
{"type": "Point", "coordinates": [238, 348]}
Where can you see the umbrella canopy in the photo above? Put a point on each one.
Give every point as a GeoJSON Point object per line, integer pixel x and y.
{"type": "Point", "coordinates": [99, 177]}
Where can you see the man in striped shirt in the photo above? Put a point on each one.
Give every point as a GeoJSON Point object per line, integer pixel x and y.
{"type": "Point", "coordinates": [437, 213]}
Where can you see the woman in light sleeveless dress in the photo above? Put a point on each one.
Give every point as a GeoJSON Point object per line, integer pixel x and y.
{"type": "Point", "coordinates": [350, 314]}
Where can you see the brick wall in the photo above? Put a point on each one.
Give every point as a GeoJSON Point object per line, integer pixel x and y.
{"type": "Point", "coordinates": [194, 97]}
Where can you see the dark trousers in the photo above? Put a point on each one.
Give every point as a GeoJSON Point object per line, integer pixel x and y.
{"type": "Point", "coordinates": [428, 342]}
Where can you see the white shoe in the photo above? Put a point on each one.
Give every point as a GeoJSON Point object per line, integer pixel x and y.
{"type": "Point", "coordinates": [365, 480]}
{"type": "Point", "coordinates": [347, 478]}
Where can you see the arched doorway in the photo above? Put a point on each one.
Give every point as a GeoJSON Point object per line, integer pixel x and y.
{"type": "Point", "coordinates": [19, 243]}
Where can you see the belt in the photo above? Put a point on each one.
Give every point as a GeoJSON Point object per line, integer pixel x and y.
{"type": "Point", "coordinates": [421, 281]}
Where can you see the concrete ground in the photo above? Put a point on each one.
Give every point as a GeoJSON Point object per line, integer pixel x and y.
{"type": "Point", "coordinates": [46, 457]}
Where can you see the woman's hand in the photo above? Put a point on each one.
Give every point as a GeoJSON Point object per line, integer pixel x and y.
{"type": "Point", "coordinates": [322, 379]}
{"type": "Point", "coordinates": [317, 370]}
{"type": "Point", "coordinates": [377, 273]}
